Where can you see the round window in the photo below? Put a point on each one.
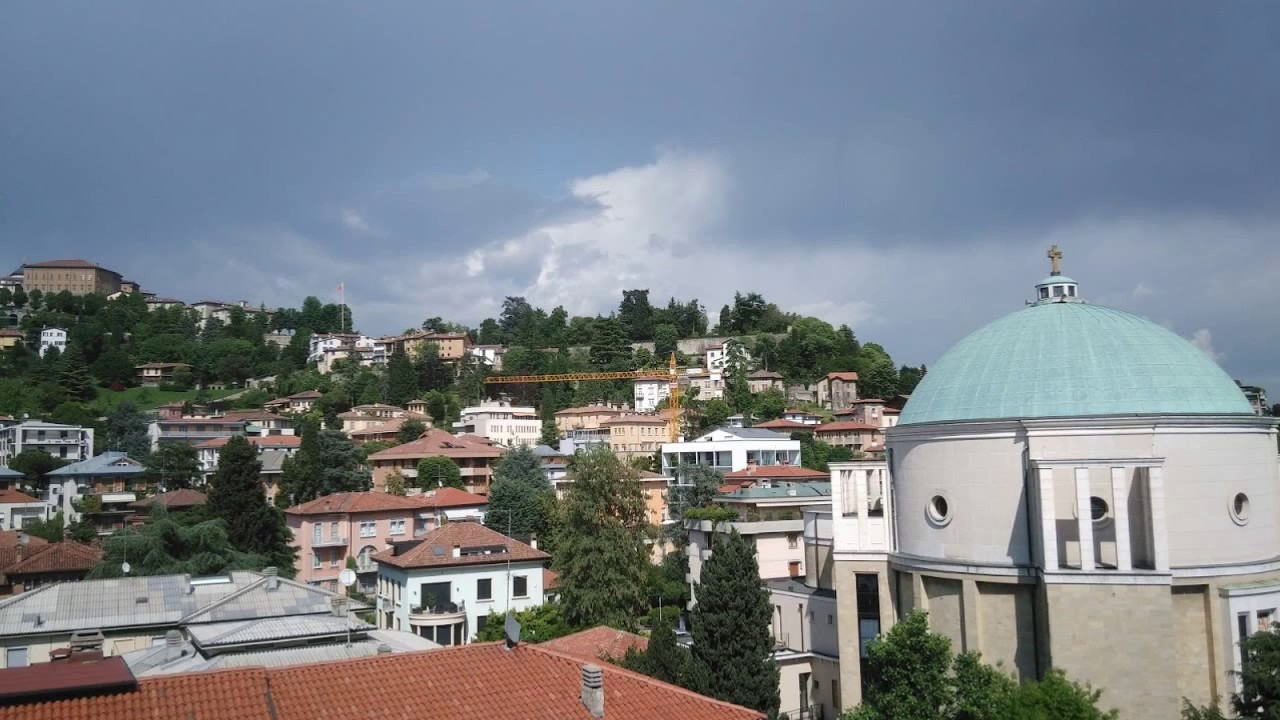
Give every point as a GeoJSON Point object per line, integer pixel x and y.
{"type": "Point", "coordinates": [1098, 508]}
{"type": "Point", "coordinates": [939, 510]}
{"type": "Point", "coordinates": [1240, 508]}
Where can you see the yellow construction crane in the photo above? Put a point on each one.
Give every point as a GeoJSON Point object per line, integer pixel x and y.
{"type": "Point", "coordinates": [673, 381]}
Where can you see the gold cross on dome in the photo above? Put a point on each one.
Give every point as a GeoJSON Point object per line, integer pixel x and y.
{"type": "Point", "coordinates": [1055, 257]}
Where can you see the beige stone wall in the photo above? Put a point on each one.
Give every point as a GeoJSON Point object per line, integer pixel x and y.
{"type": "Point", "coordinates": [946, 614]}
{"type": "Point", "coordinates": [1006, 627]}
{"type": "Point", "coordinates": [1192, 634]}
{"type": "Point", "coordinates": [1117, 638]}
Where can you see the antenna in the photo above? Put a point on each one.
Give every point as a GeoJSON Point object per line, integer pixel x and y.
{"type": "Point", "coordinates": [348, 578]}
{"type": "Point", "coordinates": [511, 631]}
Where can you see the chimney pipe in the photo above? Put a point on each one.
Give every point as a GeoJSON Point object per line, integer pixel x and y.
{"type": "Point", "coordinates": [338, 605]}
{"type": "Point", "coordinates": [172, 645]}
{"type": "Point", "coordinates": [533, 540]}
{"type": "Point", "coordinates": [384, 649]}
{"type": "Point", "coordinates": [457, 551]}
{"type": "Point", "coordinates": [593, 689]}
{"type": "Point", "coordinates": [273, 577]}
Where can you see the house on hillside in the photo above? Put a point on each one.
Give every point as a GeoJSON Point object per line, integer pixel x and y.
{"type": "Point", "coordinates": [838, 390]}
{"type": "Point", "coordinates": [474, 457]}
{"type": "Point", "coordinates": [158, 373]}
{"type": "Point", "coordinates": [762, 380]}
{"type": "Point", "coordinates": [98, 490]}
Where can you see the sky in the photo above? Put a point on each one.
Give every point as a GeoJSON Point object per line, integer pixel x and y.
{"type": "Point", "coordinates": [901, 167]}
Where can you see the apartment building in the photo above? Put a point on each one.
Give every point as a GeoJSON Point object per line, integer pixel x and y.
{"type": "Point", "coordinates": [52, 339]}
{"type": "Point", "coordinates": [717, 355]}
{"type": "Point", "coordinates": [208, 451]}
{"type": "Point", "coordinates": [586, 417]}
{"type": "Point", "coordinates": [297, 403]}
{"type": "Point", "coordinates": [449, 346]}
{"type": "Point", "coordinates": [489, 355]}
{"type": "Point", "coordinates": [636, 435]}
{"type": "Point", "coordinates": [475, 459]}
{"type": "Point", "coordinates": [648, 392]}
{"type": "Point", "coordinates": [386, 431]}
{"type": "Point", "coordinates": [193, 429]}
{"type": "Point", "coordinates": [709, 384]}
{"type": "Point", "coordinates": [366, 416]}
{"type": "Point", "coordinates": [838, 390]}
{"type": "Point", "coordinates": [501, 422]}
{"type": "Point", "coordinates": [65, 442]}
{"type": "Point", "coordinates": [79, 277]}
{"type": "Point", "coordinates": [207, 310]}
{"type": "Point", "coordinates": [153, 374]}
{"type": "Point", "coordinates": [357, 525]}
{"type": "Point", "coordinates": [729, 449]}
{"type": "Point", "coordinates": [857, 436]}
{"type": "Point", "coordinates": [98, 489]}
{"type": "Point", "coordinates": [443, 585]}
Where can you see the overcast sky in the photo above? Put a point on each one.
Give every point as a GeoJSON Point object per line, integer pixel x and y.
{"type": "Point", "coordinates": [900, 167]}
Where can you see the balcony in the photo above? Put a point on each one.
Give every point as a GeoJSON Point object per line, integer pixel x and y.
{"type": "Point", "coordinates": [328, 541]}
{"type": "Point", "coordinates": [366, 567]}
{"type": "Point", "coordinates": [442, 614]}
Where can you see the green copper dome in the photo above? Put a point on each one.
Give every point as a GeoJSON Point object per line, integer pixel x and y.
{"type": "Point", "coordinates": [1071, 359]}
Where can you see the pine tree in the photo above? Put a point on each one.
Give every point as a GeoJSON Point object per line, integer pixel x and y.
{"type": "Point", "coordinates": [73, 374]}
{"type": "Point", "coordinates": [731, 627]}
{"type": "Point", "coordinates": [237, 497]}
{"type": "Point", "coordinates": [402, 379]}
{"type": "Point", "coordinates": [665, 660]}
{"type": "Point", "coordinates": [601, 553]}
{"type": "Point", "coordinates": [547, 411]}
{"type": "Point", "coordinates": [517, 496]}
{"type": "Point", "coordinates": [327, 462]}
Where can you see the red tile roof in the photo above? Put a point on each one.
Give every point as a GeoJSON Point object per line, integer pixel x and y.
{"type": "Point", "coordinates": [307, 395]}
{"type": "Point", "coordinates": [57, 557]}
{"type": "Point", "coordinates": [183, 498]}
{"type": "Point", "coordinates": [9, 548]}
{"type": "Point", "coordinates": [438, 443]}
{"type": "Point", "coordinates": [464, 535]}
{"type": "Point", "coordinates": [781, 424]}
{"type": "Point", "coordinates": [598, 643]}
{"type": "Point", "coordinates": [590, 410]}
{"type": "Point", "coordinates": [842, 425]}
{"type": "Point", "coordinates": [253, 415]}
{"type": "Point", "coordinates": [891, 411]}
{"type": "Point", "coordinates": [449, 497]}
{"type": "Point", "coordinates": [288, 441]}
{"type": "Point", "coordinates": [64, 263]}
{"type": "Point", "coordinates": [8, 332]}
{"type": "Point", "coordinates": [842, 376]}
{"type": "Point", "coordinates": [392, 425]}
{"type": "Point", "coordinates": [355, 502]}
{"type": "Point", "coordinates": [778, 472]}
{"type": "Point", "coordinates": [765, 375]}
{"type": "Point", "coordinates": [550, 578]}
{"type": "Point", "coordinates": [482, 681]}
{"type": "Point", "coordinates": [8, 497]}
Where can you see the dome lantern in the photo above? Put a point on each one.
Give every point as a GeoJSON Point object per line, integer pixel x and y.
{"type": "Point", "coordinates": [1057, 287]}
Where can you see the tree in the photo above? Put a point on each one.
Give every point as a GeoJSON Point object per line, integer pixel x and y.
{"type": "Point", "coordinates": [908, 378]}
{"type": "Point", "coordinates": [715, 414]}
{"type": "Point", "coordinates": [665, 660]}
{"type": "Point", "coordinates": [517, 498]}
{"type": "Point", "coordinates": [126, 431]}
{"type": "Point", "coordinates": [666, 339]}
{"type": "Point", "coordinates": [327, 462]}
{"type": "Point", "coordinates": [432, 372]}
{"type": "Point", "coordinates": [609, 348]}
{"type": "Point", "coordinates": [394, 484]}
{"type": "Point", "coordinates": [164, 546]}
{"type": "Point", "coordinates": [730, 627]}
{"type": "Point", "coordinates": [410, 430]}
{"type": "Point", "coordinates": [19, 297]}
{"type": "Point", "coordinates": [547, 411]}
{"type": "Point", "coordinates": [113, 366]}
{"type": "Point", "coordinates": [1259, 695]}
{"type": "Point", "coordinates": [183, 380]}
{"type": "Point", "coordinates": [36, 464]}
{"type": "Point", "coordinates": [439, 471]}
{"type": "Point", "coordinates": [402, 379]}
{"type": "Point", "coordinates": [73, 374]}
{"type": "Point", "coordinates": [769, 404]}
{"type": "Point", "coordinates": [601, 553]}
{"type": "Point", "coordinates": [537, 624]}
{"type": "Point", "coordinates": [238, 499]}
{"type": "Point", "coordinates": [51, 530]}
{"type": "Point", "coordinates": [736, 370]}
{"type": "Point", "coordinates": [699, 485]}
{"type": "Point", "coordinates": [636, 314]}
{"type": "Point", "coordinates": [880, 380]}
{"type": "Point", "coordinates": [174, 466]}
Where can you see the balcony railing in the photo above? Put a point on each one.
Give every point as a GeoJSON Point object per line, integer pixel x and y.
{"type": "Point", "coordinates": [328, 541]}
{"type": "Point", "coordinates": [811, 712]}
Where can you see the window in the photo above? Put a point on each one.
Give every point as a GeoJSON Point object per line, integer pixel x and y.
{"type": "Point", "coordinates": [1057, 291]}
{"type": "Point", "coordinates": [939, 510]}
{"type": "Point", "coordinates": [15, 657]}
{"type": "Point", "coordinates": [1098, 509]}
{"type": "Point", "coordinates": [397, 527]}
{"type": "Point", "coordinates": [317, 533]}
{"type": "Point", "coordinates": [484, 589]}
{"type": "Point", "coordinates": [315, 561]}
{"type": "Point", "coordinates": [793, 540]}
{"type": "Point", "coordinates": [1240, 509]}
{"type": "Point", "coordinates": [333, 558]}
{"type": "Point", "coordinates": [333, 530]}
{"type": "Point", "coordinates": [481, 622]}
{"type": "Point", "coordinates": [368, 528]}
{"type": "Point", "coordinates": [520, 586]}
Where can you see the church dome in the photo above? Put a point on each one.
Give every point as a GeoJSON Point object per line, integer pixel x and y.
{"type": "Point", "coordinates": [1071, 359]}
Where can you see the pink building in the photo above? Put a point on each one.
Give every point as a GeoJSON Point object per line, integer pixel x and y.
{"type": "Point", "coordinates": [330, 529]}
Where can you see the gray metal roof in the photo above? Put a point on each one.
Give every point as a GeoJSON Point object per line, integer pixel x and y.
{"type": "Point", "coordinates": [546, 451]}
{"type": "Point", "coordinates": [151, 661]}
{"type": "Point", "coordinates": [258, 600]}
{"type": "Point", "coordinates": [108, 463]}
{"type": "Point", "coordinates": [7, 473]}
{"type": "Point", "coordinates": [753, 433]}
{"type": "Point", "coordinates": [240, 632]}
{"type": "Point", "coordinates": [272, 461]}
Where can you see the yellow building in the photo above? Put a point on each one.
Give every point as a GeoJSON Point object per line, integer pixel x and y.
{"type": "Point", "coordinates": [79, 277]}
{"type": "Point", "coordinates": [637, 435]}
{"type": "Point", "coordinates": [9, 338]}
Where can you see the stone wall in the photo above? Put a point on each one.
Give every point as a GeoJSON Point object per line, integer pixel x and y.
{"type": "Point", "coordinates": [1006, 627]}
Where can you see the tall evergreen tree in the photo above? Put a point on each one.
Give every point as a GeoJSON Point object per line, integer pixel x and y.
{"type": "Point", "coordinates": [73, 374]}
{"type": "Point", "coordinates": [518, 496]}
{"type": "Point", "coordinates": [736, 371]}
{"type": "Point", "coordinates": [174, 466]}
{"type": "Point", "coordinates": [237, 498]}
{"type": "Point", "coordinates": [402, 379]}
{"type": "Point", "coordinates": [610, 349]}
{"type": "Point", "coordinates": [327, 462]}
{"type": "Point", "coordinates": [165, 546]}
{"type": "Point", "coordinates": [730, 627]}
{"type": "Point", "coordinates": [410, 430]}
{"type": "Point", "coordinates": [665, 660]}
{"type": "Point", "coordinates": [601, 553]}
{"type": "Point", "coordinates": [547, 411]}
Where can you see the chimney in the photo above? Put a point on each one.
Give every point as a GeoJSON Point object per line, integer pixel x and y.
{"type": "Point", "coordinates": [457, 551]}
{"type": "Point", "coordinates": [338, 605]}
{"type": "Point", "coordinates": [593, 689]}
{"type": "Point", "coordinates": [273, 577]}
{"type": "Point", "coordinates": [384, 649]}
{"type": "Point", "coordinates": [533, 540]}
{"type": "Point", "coordinates": [172, 645]}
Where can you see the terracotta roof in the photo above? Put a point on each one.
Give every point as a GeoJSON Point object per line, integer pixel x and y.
{"type": "Point", "coordinates": [598, 643]}
{"type": "Point", "coordinates": [529, 682]}
{"type": "Point", "coordinates": [842, 376]}
{"type": "Point", "coordinates": [635, 420]}
{"type": "Point", "coordinates": [465, 535]}
{"type": "Point", "coordinates": [355, 502]}
{"type": "Point", "coordinates": [781, 472]}
{"type": "Point", "coordinates": [183, 498]}
{"type": "Point", "coordinates": [841, 425]}
{"type": "Point", "coordinates": [590, 410]}
{"type": "Point", "coordinates": [9, 547]}
{"type": "Point", "coordinates": [9, 497]}
{"type": "Point", "coordinates": [98, 675]}
{"type": "Point", "coordinates": [307, 395]}
{"type": "Point", "coordinates": [9, 332]}
{"type": "Point", "coordinates": [160, 366]}
{"type": "Point", "coordinates": [390, 426]}
{"type": "Point", "coordinates": [550, 578]}
{"type": "Point", "coordinates": [867, 401]}
{"type": "Point", "coordinates": [764, 375]}
{"type": "Point", "coordinates": [438, 443]}
{"type": "Point", "coordinates": [891, 411]}
{"type": "Point", "coordinates": [253, 415]}
{"type": "Point", "coordinates": [289, 441]}
{"type": "Point", "coordinates": [57, 557]}
{"type": "Point", "coordinates": [783, 424]}
{"type": "Point", "coordinates": [447, 497]}
{"type": "Point", "coordinates": [64, 263]}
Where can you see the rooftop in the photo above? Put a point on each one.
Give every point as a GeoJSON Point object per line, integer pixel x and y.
{"type": "Point", "coordinates": [590, 410]}
{"type": "Point", "coordinates": [846, 376]}
{"type": "Point", "coordinates": [435, 442]}
{"type": "Point", "coordinates": [844, 426]}
{"type": "Point", "coordinates": [765, 375]}
{"type": "Point", "coordinates": [63, 263]}
{"type": "Point", "coordinates": [355, 502]}
{"type": "Point", "coordinates": [183, 498]}
{"type": "Point", "coordinates": [13, 497]}
{"type": "Point", "coordinates": [597, 643]}
{"type": "Point", "coordinates": [478, 546]}
{"type": "Point", "coordinates": [795, 585]}
{"type": "Point", "coordinates": [449, 497]}
{"type": "Point", "coordinates": [278, 441]}
{"type": "Point", "coordinates": [111, 462]}
{"type": "Point", "coordinates": [59, 557]}
{"type": "Point", "coordinates": [780, 424]}
{"type": "Point", "coordinates": [776, 472]}
{"type": "Point", "coordinates": [785, 490]}
{"type": "Point", "coordinates": [636, 419]}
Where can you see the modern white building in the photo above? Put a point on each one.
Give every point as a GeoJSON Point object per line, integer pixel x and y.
{"type": "Point", "coordinates": [17, 508]}
{"type": "Point", "coordinates": [501, 422]}
{"type": "Point", "coordinates": [1073, 487]}
{"type": "Point", "coordinates": [648, 392]}
{"type": "Point", "coordinates": [55, 338]}
{"type": "Point", "coordinates": [443, 585]}
{"type": "Point", "coordinates": [65, 442]}
{"type": "Point", "coordinates": [727, 449]}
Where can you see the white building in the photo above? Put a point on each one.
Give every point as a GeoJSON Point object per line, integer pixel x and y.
{"type": "Point", "coordinates": [718, 355]}
{"type": "Point", "coordinates": [17, 508]}
{"type": "Point", "coordinates": [649, 392]}
{"type": "Point", "coordinates": [729, 449]}
{"type": "Point", "coordinates": [501, 422]}
{"type": "Point", "coordinates": [489, 355]}
{"type": "Point", "coordinates": [444, 585]}
{"type": "Point", "coordinates": [52, 338]}
{"type": "Point", "coordinates": [65, 442]}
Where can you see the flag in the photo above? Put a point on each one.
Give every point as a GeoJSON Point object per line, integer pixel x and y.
{"type": "Point", "coordinates": [339, 287]}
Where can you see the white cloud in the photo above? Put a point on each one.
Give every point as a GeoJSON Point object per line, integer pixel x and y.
{"type": "Point", "coordinates": [1141, 290]}
{"type": "Point", "coordinates": [355, 221]}
{"type": "Point", "coordinates": [1203, 339]}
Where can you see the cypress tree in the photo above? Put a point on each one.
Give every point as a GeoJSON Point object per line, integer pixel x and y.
{"type": "Point", "coordinates": [402, 379]}
{"type": "Point", "coordinates": [517, 495]}
{"type": "Point", "coordinates": [731, 627]}
{"type": "Point", "coordinates": [73, 374]}
{"type": "Point", "coordinates": [236, 497]}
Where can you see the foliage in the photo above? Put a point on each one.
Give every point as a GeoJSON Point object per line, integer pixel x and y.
{"type": "Point", "coordinates": [769, 404]}
{"type": "Point", "coordinates": [1259, 695]}
{"type": "Point", "coordinates": [736, 385]}
{"type": "Point", "coordinates": [730, 627]}
{"type": "Point", "coordinates": [394, 484]}
{"type": "Point", "coordinates": [537, 624]}
{"type": "Point", "coordinates": [664, 660]}
{"type": "Point", "coordinates": [164, 546]}
{"type": "Point", "coordinates": [816, 454]}
{"type": "Point", "coordinates": [517, 498]}
{"type": "Point", "coordinates": [434, 472]}
{"type": "Point", "coordinates": [601, 553]}
{"type": "Point", "coordinates": [73, 374]}
{"type": "Point", "coordinates": [126, 430]}
{"type": "Point", "coordinates": [327, 462]}
{"type": "Point", "coordinates": [51, 530]}
{"type": "Point", "coordinates": [173, 466]}
{"type": "Point", "coordinates": [238, 499]}
{"type": "Point", "coordinates": [36, 464]}
{"type": "Point", "coordinates": [410, 430]}
{"type": "Point", "coordinates": [880, 380]}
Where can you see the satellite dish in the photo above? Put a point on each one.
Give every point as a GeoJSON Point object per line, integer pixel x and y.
{"type": "Point", "coordinates": [125, 567]}
{"type": "Point", "coordinates": [347, 577]}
